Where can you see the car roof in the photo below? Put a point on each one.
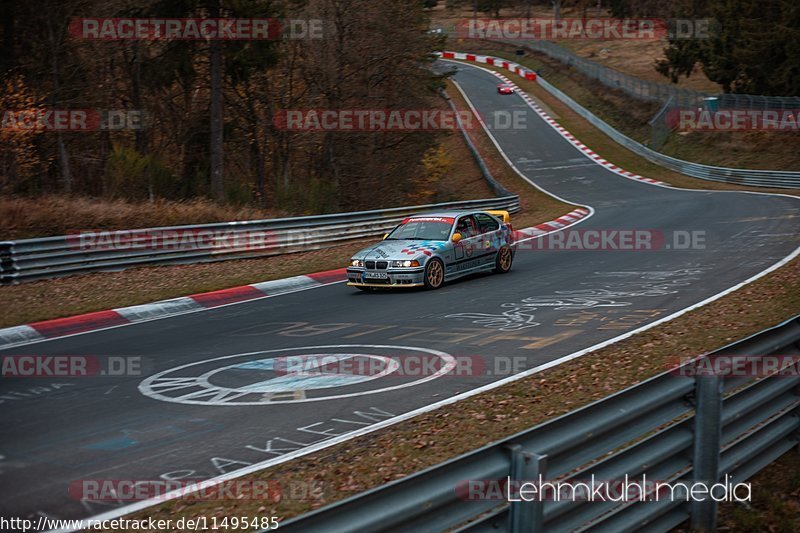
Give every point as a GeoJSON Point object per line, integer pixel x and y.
{"type": "Point", "coordinates": [448, 214]}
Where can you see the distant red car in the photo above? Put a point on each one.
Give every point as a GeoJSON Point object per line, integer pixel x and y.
{"type": "Point", "coordinates": [505, 88]}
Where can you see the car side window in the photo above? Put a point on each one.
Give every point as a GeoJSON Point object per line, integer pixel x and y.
{"type": "Point", "coordinates": [486, 224]}
{"type": "Point", "coordinates": [466, 227]}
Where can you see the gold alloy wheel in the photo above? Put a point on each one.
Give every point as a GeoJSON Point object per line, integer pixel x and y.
{"type": "Point", "coordinates": [505, 259]}
{"type": "Point", "coordinates": [435, 274]}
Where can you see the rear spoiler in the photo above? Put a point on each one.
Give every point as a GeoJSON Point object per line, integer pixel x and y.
{"type": "Point", "coordinates": [503, 215]}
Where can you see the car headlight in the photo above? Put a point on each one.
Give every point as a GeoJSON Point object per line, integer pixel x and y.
{"type": "Point", "coordinates": [356, 263]}
{"type": "Point", "coordinates": [405, 263]}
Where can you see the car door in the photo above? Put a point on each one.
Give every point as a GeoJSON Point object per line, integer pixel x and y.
{"type": "Point", "coordinates": [489, 237]}
{"type": "Point", "coordinates": [465, 251]}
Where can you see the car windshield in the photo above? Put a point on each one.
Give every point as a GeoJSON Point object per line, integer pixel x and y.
{"type": "Point", "coordinates": [427, 228]}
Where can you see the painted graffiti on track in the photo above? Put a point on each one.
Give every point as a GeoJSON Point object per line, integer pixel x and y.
{"type": "Point", "coordinates": [304, 374]}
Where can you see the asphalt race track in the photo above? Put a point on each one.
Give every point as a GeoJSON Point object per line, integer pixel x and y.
{"type": "Point", "coordinates": [182, 423]}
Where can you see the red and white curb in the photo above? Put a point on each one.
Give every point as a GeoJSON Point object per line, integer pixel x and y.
{"type": "Point", "coordinates": [62, 327]}
{"type": "Point", "coordinates": [525, 73]}
{"type": "Point", "coordinates": [548, 227]}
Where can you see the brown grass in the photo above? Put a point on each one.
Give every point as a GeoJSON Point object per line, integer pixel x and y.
{"type": "Point", "coordinates": [775, 504]}
{"type": "Point", "coordinates": [637, 58]}
{"type": "Point", "coordinates": [631, 56]}
{"type": "Point", "coordinates": [464, 181]}
{"type": "Point", "coordinates": [57, 215]}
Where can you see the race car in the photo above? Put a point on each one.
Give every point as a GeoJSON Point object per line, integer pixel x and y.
{"type": "Point", "coordinates": [505, 88]}
{"type": "Point", "coordinates": [428, 249]}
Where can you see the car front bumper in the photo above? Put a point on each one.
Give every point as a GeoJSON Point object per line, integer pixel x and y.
{"type": "Point", "coordinates": [399, 278]}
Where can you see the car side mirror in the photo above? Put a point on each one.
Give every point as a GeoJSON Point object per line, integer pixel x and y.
{"type": "Point", "coordinates": [456, 237]}
{"type": "Point", "coordinates": [385, 235]}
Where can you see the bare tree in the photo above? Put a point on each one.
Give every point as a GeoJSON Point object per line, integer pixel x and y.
{"type": "Point", "coordinates": [217, 151]}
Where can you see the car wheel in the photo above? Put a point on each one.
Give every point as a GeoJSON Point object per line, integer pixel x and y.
{"type": "Point", "coordinates": [434, 274]}
{"type": "Point", "coordinates": [502, 263]}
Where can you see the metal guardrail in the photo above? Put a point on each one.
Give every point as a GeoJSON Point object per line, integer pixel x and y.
{"type": "Point", "coordinates": [674, 427]}
{"type": "Point", "coordinates": [738, 176]}
{"type": "Point", "coordinates": [30, 259]}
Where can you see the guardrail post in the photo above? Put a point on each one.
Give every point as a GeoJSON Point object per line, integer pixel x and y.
{"type": "Point", "coordinates": [707, 441]}
{"type": "Point", "coordinates": [7, 263]}
{"type": "Point", "coordinates": [796, 367]}
{"type": "Point", "coordinates": [526, 517]}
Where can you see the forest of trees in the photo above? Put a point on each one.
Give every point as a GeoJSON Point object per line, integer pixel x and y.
{"type": "Point", "coordinates": [209, 105]}
{"type": "Point", "coordinates": [753, 48]}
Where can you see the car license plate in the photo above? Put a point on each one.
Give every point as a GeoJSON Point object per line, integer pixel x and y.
{"type": "Point", "coordinates": [376, 275]}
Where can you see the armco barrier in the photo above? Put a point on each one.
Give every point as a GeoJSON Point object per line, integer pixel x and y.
{"type": "Point", "coordinates": [738, 176]}
{"type": "Point", "coordinates": [48, 257]}
{"type": "Point", "coordinates": [674, 427]}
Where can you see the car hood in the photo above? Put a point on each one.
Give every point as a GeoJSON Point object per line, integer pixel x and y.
{"type": "Point", "coordinates": [400, 249]}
